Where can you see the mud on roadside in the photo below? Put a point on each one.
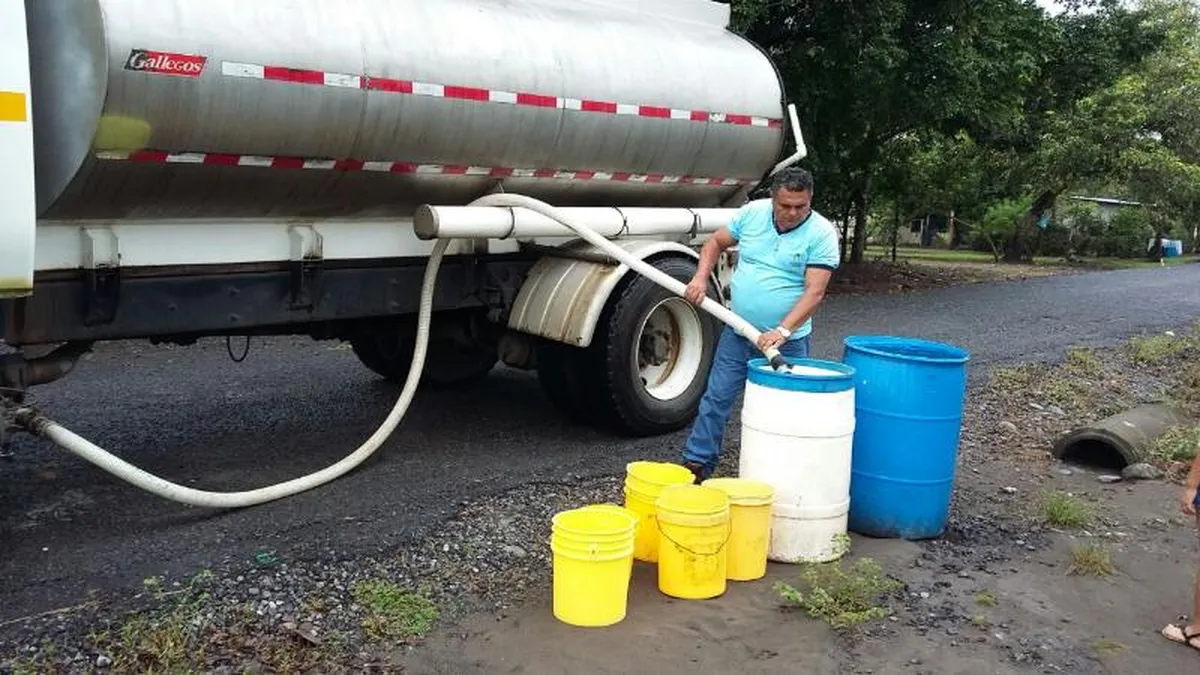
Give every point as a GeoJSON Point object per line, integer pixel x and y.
{"type": "Point", "coordinates": [1043, 569]}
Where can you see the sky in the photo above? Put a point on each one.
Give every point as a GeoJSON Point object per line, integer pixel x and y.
{"type": "Point", "coordinates": [1054, 6]}
{"type": "Point", "coordinates": [1051, 6]}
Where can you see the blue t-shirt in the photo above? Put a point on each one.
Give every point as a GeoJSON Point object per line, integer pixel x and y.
{"type": "Point", "coordinates": [769, 277]}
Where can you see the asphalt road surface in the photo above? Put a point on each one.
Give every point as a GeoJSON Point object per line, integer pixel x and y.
{"type": "Point", "coordinates": [295, 406]}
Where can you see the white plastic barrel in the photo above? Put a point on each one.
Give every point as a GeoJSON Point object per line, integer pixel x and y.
{"type": "Point", "coordinates": [797, 435]}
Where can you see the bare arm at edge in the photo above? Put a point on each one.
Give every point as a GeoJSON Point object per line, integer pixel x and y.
{"type": "Point", "coordinates": [713, 247]}
{"type": "Point", "coordinates": [1188, 498]}
{"type": "Point", "coordinates": [697, 289]}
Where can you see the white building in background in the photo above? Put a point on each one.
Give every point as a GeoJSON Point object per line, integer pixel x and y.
{"type": "Point", "coordinates": [1108, 206]}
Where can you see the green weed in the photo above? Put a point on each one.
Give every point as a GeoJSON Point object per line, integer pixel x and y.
{"type": "Point", "coordinates": [394, 612]}
{"type": "Point", "coordinates": [1177, 444]}
{"type": "Point", "coordinates": [986, 599]}
{"type": "Point", "coordinates": [1091, 559]}
{"type": "Point", "coordinates": [1151, 349]}
{"type": "Point", "coordinates": [843, 599]}
{"type": "Point", "coordinates": [1016, 379]}
{"type": "Point", "coordinates": [168, 639]}
{"type": "Point", "coordinates": [1107, 645]}
{"type": "Point", "coordinates": [1062, 510]}
{"type": "Point", "coordinates": [1083, 361]}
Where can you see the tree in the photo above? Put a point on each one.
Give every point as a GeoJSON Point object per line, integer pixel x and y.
{"type": "Point", "coordinates": [928, 172]}
{"type": "Point", "coordinates": [1163, 166]}
{"type": "Point", "coordinates": [1079, 114]}
{"type": "Point", "coordinates": [870, 72]}
{"type": "Point", "coordinates": [942, 105]}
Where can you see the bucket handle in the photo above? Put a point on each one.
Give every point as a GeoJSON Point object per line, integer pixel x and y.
{"type": "Point", "coordinates": [728, 536]}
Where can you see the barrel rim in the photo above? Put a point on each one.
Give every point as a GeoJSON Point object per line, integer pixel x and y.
{"type": "Point", "coordinates": [841, 379]}
{"type": "Point", "coordinates": [874, 345]}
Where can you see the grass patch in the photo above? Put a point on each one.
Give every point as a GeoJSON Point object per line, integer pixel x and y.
{"type": "Point", "coordinates": [168, 639]}
{"type": "Point", "coordinates": [1068, 392]}
{"type": "Point", "coordinates": [1083, 361]}
{"type": "Point", "coordinates": [392, 611]}
{"type": "Point", "coordinates": [1070, 386]}
{"type": "Point", "coordinates": [1177, 444]}
{"type": "Point", "coordinates": [1016, 379]}
{"type": "Point", "coordinates": [1151, 349]}
{"type": "Point", "coordinates": [969, 256]}
{"type": "Point", "coordinates": [1187, 390]}
{"type": "Point", "coordinates": [1091, 560]}
{"type": "Point", "coordinates": [1108, 645]}
{"type": "Point", "coordinates": [843, 599]}
{"type": "Point", "coordinates": [185, 630]}
{"type": "Point", "coordinates": [986, 599]}
{"type": "Point", "coordinates": [946, 255]}
{"type": "Point", "coordinates": [1134, 263]}
{"type": "Point", "coordinates": [1062, 510]}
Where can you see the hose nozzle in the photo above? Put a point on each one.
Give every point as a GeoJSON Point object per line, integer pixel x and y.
{"type": "Point", "coordinates": [775, 358]}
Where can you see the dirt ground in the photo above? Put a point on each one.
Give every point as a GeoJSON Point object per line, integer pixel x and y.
{"type": "Point", "coordinates": [903, 276]}
{"type": "Point", "coordinates": [1010, 588]}
{"type": "Point", "coordinates": [1043, 619]}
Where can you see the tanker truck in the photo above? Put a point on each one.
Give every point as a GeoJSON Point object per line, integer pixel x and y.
{"type": "Point", "coordinates": [172, 170]}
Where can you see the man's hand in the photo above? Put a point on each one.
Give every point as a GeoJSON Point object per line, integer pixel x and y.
{"type": "Point", "coordinates": [1187, 502]}
{"type": "Point", "coordinates": [771, 338]}
{"type": "Point", "coordinates": [696, 290]}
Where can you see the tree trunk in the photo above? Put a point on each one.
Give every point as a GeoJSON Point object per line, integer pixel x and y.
{"type": "Point", "coordinates": [860, 225]}
{"type": "Point", "coordinates": [1019, 246]}
{"type": "Point", "coordinates": [952, 234]}
{"type": "Point", "coordinates": [895, 229]}
{"type": "Point", "coordinates": [846, 229]}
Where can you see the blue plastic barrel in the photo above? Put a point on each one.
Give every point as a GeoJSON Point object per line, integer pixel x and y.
{"type": "Point", "coordinates": [908, 410]}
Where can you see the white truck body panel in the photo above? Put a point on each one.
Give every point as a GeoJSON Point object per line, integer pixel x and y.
{"type": "Point", "coordinates": [17, 206]}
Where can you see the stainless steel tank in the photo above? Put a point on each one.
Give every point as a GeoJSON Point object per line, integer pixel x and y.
{"type": "Point", "coordinates": [313, 108]}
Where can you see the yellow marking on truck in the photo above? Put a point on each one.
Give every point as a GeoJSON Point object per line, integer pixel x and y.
{"type": "Point", "coordinates": [14, 288]}
{"type": "Point", "coordinates": [121, 134]}
{"type": "Point", "coordinates": [12, 106]}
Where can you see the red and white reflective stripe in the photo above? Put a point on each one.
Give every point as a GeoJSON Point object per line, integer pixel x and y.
{"type": "Point", "coordinates": [220, 159]}
{"type": "Point", "coordinates": [412, 87]}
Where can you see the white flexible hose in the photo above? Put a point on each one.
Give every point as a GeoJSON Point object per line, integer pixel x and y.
{"type": "Point", "coordinates": [173, 491]}
{"type": "Point", "coordinates": [229, 500]}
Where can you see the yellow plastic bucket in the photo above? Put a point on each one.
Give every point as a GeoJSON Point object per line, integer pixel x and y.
{"type": "Point", "coordinates": [624, 512]}
{"type": "Point", "coordinates": [617, 509]}
{"type": "Point", "coordinates": [694, 528]}
{"type": "Point", "coordinates": [611, 524]}
{"type": "Point", "coordinates": [750, 521]}
{"type": "Point", "coordinates": [644, 482]}
{"type": "Point", "coordinates": [592, 560]}
{"type": "Point", "coordinates": [651, 477]}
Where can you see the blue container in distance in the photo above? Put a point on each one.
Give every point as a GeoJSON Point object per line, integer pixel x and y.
{"type": "Point", "coordinates": [909, 398]}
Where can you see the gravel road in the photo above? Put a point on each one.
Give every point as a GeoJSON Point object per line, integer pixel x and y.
{"type": "Point", "coordinates": [294, 406]}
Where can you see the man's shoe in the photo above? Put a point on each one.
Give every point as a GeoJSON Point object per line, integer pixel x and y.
{"type": "Point", "coordinates": [698, 471]}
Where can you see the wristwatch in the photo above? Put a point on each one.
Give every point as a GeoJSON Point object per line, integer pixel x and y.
{"type": "Point", "coordinates": [784, 332]}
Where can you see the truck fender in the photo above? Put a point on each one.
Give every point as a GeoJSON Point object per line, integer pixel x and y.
{"type": "Point", "coordinates": [566, 291]}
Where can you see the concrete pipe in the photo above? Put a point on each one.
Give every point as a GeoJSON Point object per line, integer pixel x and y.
{"type": "Point", "coordinates": [1118, 441]}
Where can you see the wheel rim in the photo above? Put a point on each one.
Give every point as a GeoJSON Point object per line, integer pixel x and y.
{"type": "Point", "coordinates": [670, 347]}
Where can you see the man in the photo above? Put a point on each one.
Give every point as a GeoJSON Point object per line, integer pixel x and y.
{"type": "Point", "coordinates": [786, 255]}
{"type": "Point", "coordinates": [1189, 502]}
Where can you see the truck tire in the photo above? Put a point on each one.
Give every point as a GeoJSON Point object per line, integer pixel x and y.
{"type": "Point", "coordinates": [647, 366]}
{"type": "Point", "coordinates": [388, 353]}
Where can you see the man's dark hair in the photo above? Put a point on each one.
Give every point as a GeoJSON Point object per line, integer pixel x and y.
{"type": "Point", "coordinates": [792, 179]}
